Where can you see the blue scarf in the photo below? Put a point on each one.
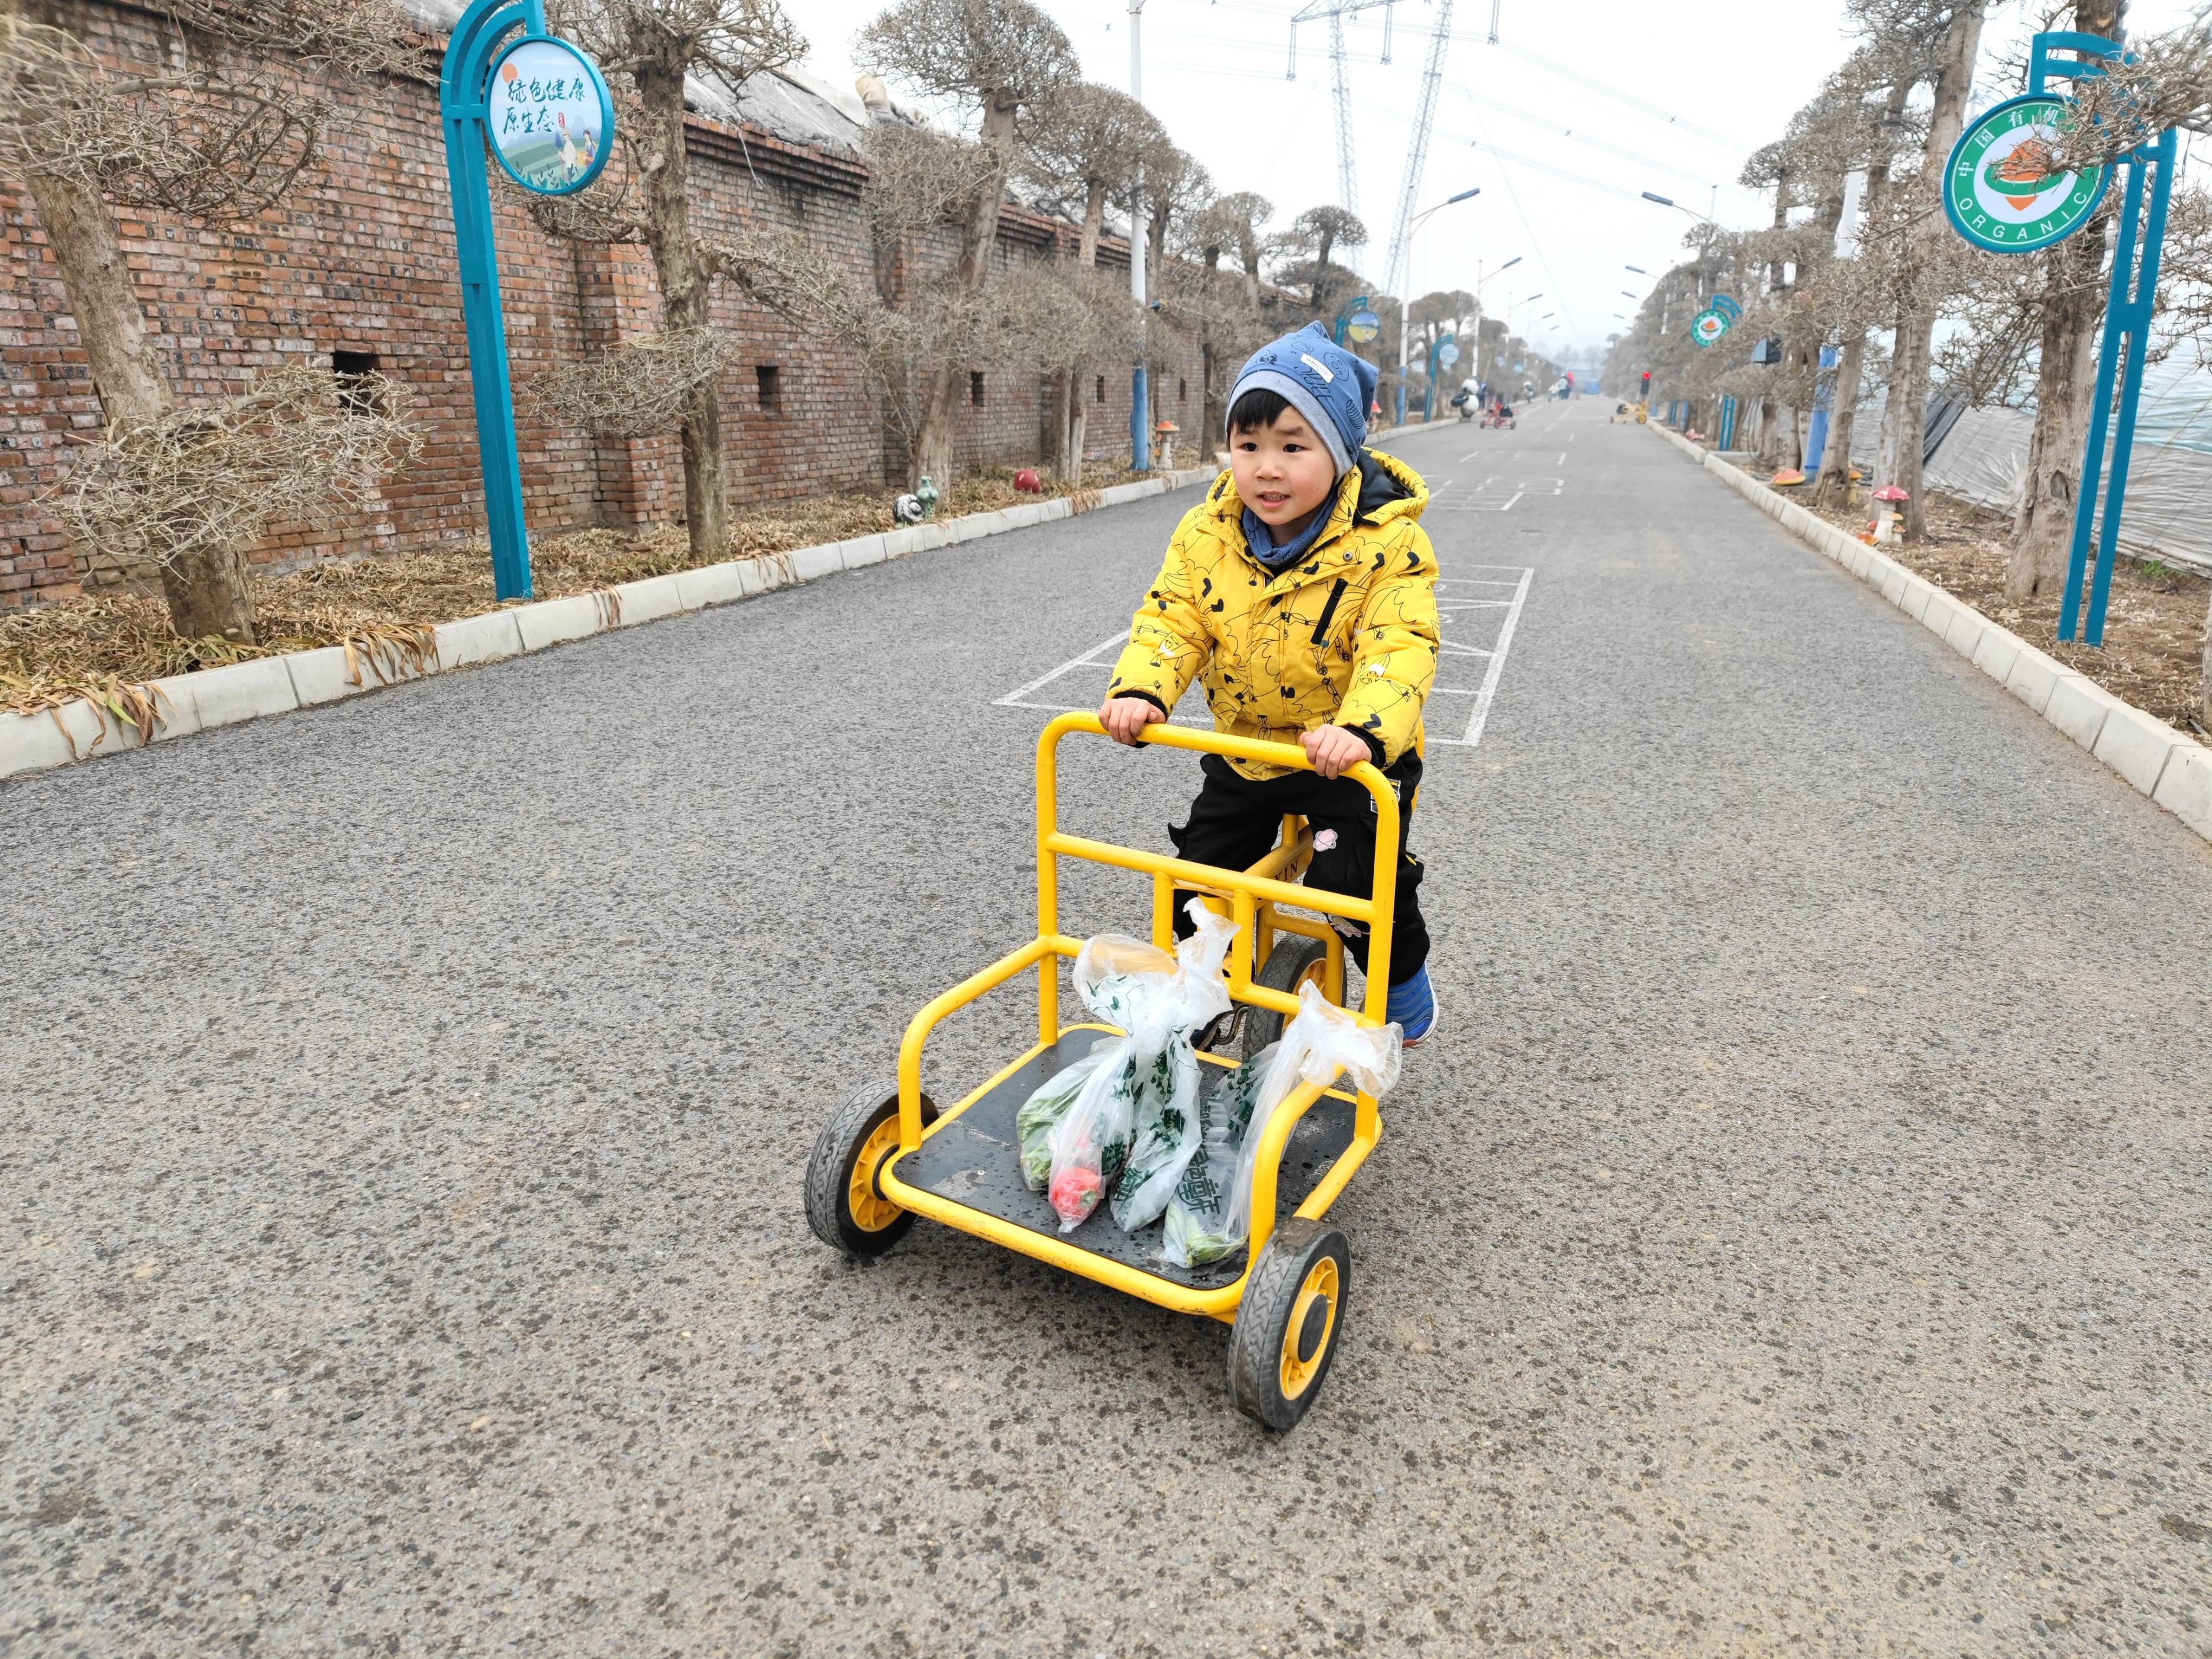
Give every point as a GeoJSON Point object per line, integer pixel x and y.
{"type": "Point", "coordinates": [1274, 558]}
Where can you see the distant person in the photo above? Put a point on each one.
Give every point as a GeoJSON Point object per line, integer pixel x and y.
{"type": "Point", "coordinates": [1303, 591]}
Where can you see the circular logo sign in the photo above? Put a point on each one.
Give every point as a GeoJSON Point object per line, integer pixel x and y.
{"type": "Point", "coordinates": [1448, 353]}
{"type": "Point", "coordinates": [548, 115]}
{"type": "Point", "coordinates": [1709, 325]}
{"type": "Point", "coordinates": [1363, 326]}
{"type": "Point", "coordinates": [2002, 190]}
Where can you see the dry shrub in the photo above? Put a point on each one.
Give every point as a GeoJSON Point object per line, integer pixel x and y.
{"type": "Point", "coordinates": [634, 390]}
{"type": "Point", "coordinates": [299, 447]}
{"type": "Point", "coordinates": [185, 142]}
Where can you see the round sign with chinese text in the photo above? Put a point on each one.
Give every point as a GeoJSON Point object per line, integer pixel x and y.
{"type": "Point", "coordinates": [549, 117]}
{"type": "Point", "coordinates": [1448, 353]}
{"type": "Point", "coordinates": [2002, 188]}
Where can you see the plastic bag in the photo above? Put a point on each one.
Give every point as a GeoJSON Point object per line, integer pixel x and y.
{"type": "Point", "coordinates": [1034, 1122]}
{"type": "Point", "coordinates": [1131, 1129]}
{"type": "Point", "coordinates": [1198, 1211]}
{"type": "Point", "coordinates": [1204, 1225]}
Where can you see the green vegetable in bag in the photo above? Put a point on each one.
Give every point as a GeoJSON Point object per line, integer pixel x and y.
{"type": "Point", "coordinates": [1034, 1122]}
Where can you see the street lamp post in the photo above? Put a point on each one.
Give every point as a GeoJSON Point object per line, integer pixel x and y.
{"type": "Point", "coordinates": [1479, 279]}
{"type": "Point", "coordinates": [1141, 429]}
{"type": "Point", "coordinates": [1405, 303]}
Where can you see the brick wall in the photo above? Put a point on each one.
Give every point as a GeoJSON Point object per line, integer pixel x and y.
{"type": "Point", "coordinates": [359, 259]}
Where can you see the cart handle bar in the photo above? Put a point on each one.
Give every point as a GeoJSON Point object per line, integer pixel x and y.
{"type": "Point", "coordinates": [1246, 891]}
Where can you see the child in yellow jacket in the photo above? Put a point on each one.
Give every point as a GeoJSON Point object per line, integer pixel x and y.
{"type": "Point", "coordinates": [1303, 591]}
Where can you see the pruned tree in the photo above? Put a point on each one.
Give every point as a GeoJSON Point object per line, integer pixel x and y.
{"type": "Point", "coordinates": [1086, 144]}
{"type": "Point", "coordinates": [1928, 243]}
{"type": "Point", "coordinates": [641, 388]}
{"type": "Point", "coordinates": [197, 486]}
{"type": "Point", "coordinates": [647, 49]}
{"type": "Point", "coordinates": [1000, 61]}
{"type": "Point", "coordinates": [1318, 234]}
{"type": "Point", "coordinates": [1238, 222]}
{"type": "Point", "coordinates": [182, 139]}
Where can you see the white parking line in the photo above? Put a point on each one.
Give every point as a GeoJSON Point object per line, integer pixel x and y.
{"type": "Point", "coordinates": [1017, 698]}
{"type": "Point", "coordinates": [1517, 495]}
{"type": "Point", "coordinates": [1448, 604]}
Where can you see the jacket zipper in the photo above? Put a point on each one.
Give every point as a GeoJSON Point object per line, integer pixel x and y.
{"type": "Point", "coordinates": [1321, 628]}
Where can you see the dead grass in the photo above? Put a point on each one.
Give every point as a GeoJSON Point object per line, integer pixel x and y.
{"type": "Point", "coordinates": [2153, 654]}
{"type": "Point", "coordinates": [104, 646]}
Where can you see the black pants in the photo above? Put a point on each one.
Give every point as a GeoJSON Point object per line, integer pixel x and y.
{"type": "Point", "coordinates": [1235, 821]}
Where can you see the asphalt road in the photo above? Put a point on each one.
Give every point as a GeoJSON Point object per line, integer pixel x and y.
{"type": "Point", "coordinates": [1797, 1242]}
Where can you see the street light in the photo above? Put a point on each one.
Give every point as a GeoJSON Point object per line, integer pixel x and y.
{"type": "Point", "coordinates": [1140, 432]}
{"type": "Point", "coordinates": [1668, 201]}
{"type": "Point", "coordinates": [1405, 303]}
{"type": "Point", "coordinates": [1626, 294]}
{"type": "Point", "coordinates": [1638, 269]}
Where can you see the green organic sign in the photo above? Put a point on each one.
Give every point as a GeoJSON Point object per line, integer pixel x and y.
{"type": "Point", "coordinates": [2002, 188]}
{"type": "Point", "coordinates": [1709, 325]}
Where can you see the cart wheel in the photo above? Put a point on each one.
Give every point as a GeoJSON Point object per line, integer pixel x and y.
{"type": "Point", "coordinates": [844, 1205]}
{"type": "Point", "coordinates": [1289, 1323]}
{"type": "Point", "coordinates": [1294, 960]}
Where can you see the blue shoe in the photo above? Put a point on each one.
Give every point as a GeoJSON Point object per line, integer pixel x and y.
{"type": "Point", "coordinates": [1413, 1007]}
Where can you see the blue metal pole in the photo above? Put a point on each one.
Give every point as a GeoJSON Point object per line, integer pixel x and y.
{"type": "Point", "coordinates": [1816, 429]}
{"type": "Point", "coordinates": [461, 107]}
{"type": "Point", "coordinates": [2139, 301]}
{"type": "Point", "coordinates": [1140, 432]}
{"type": "Point", "coordinates": [2100, 409]}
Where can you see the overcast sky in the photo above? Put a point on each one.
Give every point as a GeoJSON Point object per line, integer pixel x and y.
{"type": "Point", "coordinates": [1581, 106]}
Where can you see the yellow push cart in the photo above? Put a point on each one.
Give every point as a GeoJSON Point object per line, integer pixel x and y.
{"type": "Point", "coordinates": [885, 1157]}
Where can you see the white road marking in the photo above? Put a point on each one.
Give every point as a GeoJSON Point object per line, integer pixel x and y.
{"type": "Point", "coordinates": [1017, 698]}
{"type": "Point", "coordinates": [1517, 495]}
{"type": "Point", "coordinates": [1449, 603]}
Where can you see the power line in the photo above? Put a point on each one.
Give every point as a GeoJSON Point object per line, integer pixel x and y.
{"type": "Point", "coordinates": [1640, 157]}
{"type": "Point", "coordinates": [1629, 99]}
{"type": "Point", "coordinates": [1514, 196]}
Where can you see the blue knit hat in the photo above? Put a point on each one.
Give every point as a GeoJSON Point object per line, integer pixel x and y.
{"type": "Point", "coordinates": [1322, 380]}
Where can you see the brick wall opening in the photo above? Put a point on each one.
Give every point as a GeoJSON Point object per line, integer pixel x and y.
{"type": "Point", "coordinates": [1182, 392]}
{"type": "Point", "coordinates": [975, 388]}
{"type": "Point", "coordinates": [1101, 398]}
{"type": "Point", "coordinates": [769, 380]}
{"type": "Point", "coordinates": [351, 370]}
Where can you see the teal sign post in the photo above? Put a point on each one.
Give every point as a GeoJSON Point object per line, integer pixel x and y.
{"type": "Point", "coordinates": [539, 106]}
{"type": "Point", "coordinates": [2003, 191]}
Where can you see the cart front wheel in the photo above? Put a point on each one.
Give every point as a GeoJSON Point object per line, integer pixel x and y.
{"type": "Point", "coordinates": [1289, 1323]}
{"type": "Point", "coordinates": [1295, 960]}
{"type": "Point", "coordinates": [845, 1202]}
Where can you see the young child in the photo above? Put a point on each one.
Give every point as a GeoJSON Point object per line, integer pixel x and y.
{"type": "Point", "coordinates": [1303, 588]}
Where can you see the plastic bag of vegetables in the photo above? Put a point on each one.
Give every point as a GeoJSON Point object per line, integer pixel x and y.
{"type": "Point", "coordinates": [1207, 1221]}
{"type": "Point", "coordinates": [1034, 1122]}
{"type": "Point", "coordinates": [1138, 1104]}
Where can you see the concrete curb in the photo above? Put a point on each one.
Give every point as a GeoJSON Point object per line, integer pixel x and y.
{"type": "Point", "coordinates": [2174, 770]}
{"type": "Point", "coordinates": [302, 680]}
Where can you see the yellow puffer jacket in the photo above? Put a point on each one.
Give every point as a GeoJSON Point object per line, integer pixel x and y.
{"type": "Point", "coordinates": [1346, 636]}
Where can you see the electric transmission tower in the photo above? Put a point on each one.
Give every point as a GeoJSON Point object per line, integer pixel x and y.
{"type": "Point", "coordinates": [1417, 149]}
{"type": "Point", "coordinates": [1347, 174]}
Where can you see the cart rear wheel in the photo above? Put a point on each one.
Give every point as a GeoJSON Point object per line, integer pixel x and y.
{"type": "Point", "coordinates": [1290, 1323]}
{"type": "Point", "coordinates": [1294, 960]}
{"type": "Point", "coordinates": [845, 1203]}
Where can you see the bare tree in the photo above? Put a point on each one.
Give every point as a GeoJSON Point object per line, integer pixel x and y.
{"type": "Point", "coordinates": [649, 48]}
{"type": "Point", "coordinates": [1906, 416]}
{"type": "Point", "coordinates": [1317, 232]}
{"type": "Point", "coordinates": [183, 140]}
{"type": "Point", "coordinates": [1001, 60]}
{"type": "Point", "coordinates": [1088, 141]}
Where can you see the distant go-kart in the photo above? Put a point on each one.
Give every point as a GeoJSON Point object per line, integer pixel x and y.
{"type": "Point", "coordinates": [887, 1156]}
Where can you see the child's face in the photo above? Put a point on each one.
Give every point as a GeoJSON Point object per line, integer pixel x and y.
{"type": "Point", "coordinates": [1283, 471]}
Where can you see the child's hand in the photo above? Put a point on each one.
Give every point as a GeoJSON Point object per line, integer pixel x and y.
{"type": "Point", "coordinates": [1335, 750]}
{"type": "Point", "coordinates": [1124, 717]}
